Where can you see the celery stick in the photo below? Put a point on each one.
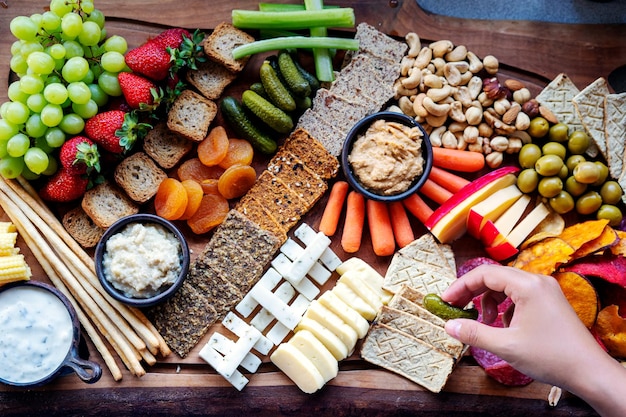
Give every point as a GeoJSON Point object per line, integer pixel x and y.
{"type": "Point", "coordinates": [301, 19]}
{"type": "Point", "coordinates": [280, 7]}
{"type": "Point", "coordinates": [321, 56]}
{"type": "Point", "coordinates": [294, 42]}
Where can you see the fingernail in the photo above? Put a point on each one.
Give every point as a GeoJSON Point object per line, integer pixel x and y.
{"type": "Point", "coordinates": [453, 327]}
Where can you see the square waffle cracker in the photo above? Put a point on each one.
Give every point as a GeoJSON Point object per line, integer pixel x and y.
{"type": "Point", "coordinates": [589, 105]}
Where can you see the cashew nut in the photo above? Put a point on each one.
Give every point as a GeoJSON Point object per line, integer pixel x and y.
{"type": "Point", "coordinates": [413, 80]}
{"type": "Point", "coordinates": [462, 66]}
{"type": "Point", "coordinates": [522, 121]}
{"type": "Point", "coordinates": [462, 94]}
{"type": "Point", "coordinates": [521, 135]}
{"type": "Point", "coordinates": [501, 106]}
{"type": "Point", "coordinates": [439, 63]}
{"type": "Point", "coordinates": [448, 140]}
{"type": "Point", "coordinates": [457, 54]}
{"type": "Point", "coordinates": [433, 81]}
{"type": "Point", "coordinates": [452, 74]}
{"type": "Point", "coordinates": [515, 144]}
{"type": "Point", "coordinates": [475, 64]}
{"type": "Point", "coordinates": [438, 94]}
{"type": "Point", "coordinates": [476, 146]}
{"type": "Point", "coordinates": [475, 86]}
{"type": "Point", "coordinates": [435, 135]}
{"type": "Point", "coordinates": [423, 58]}
{"type": "Point", "coordinates": [405, 65]}
{"type": "Point", "coordinates": [494, 159]}
{"type": "Point", "coordinates": [418, 106]}
{"type": "Point", "coordinates": [491, 64]}
{"type": "Point", "coordinates": [400, 90]}
{"type": "Point", "coordinates": [440, 48]}
{"type": "Point", "coordinates": [466, 77]}
{"type": "Point", "coordinates": [435, 109]}
{"type": "Point", "coordinates": [457, 126]}
{"type": "Point", "coordinates": [413, 40]}
{"type": "Point", "coordinates": [484, 100]}
{"type": "Point", "coordinates": [456, 112]}
{"type": "Point", "coordinates": [436, 121]}
{"type": "Point", "coordinates": [406, 106]}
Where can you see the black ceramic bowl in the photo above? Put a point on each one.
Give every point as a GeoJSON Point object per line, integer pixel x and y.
{"type": "Point", "coordinates": [359, 128]}
{"type": "Point", "coordinates": [33, 358]}
{"type": "Point", "coordinates": [117, 227]}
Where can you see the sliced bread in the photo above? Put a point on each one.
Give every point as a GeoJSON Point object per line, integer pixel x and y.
{"type": "Point", "coordinates": [139, 176]}
{"type": "Point", "coordinates": [80, 226]}
{"type": "Point", "coordinates": [219, 45]}
{"type": "Point", "coordinates": [106, 203]}
{"type": "Point", "coordinates": [191, 114]}
{"type": "Point", "coordinates": [165, 147]}
{"type": "Point", "coordinates": [211, 78]}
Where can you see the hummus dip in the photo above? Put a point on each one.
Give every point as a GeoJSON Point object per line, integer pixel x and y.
{"type": "Point", "coordinates": [142, 260]}
{"type": "Point", "coordinates": [387, 158]}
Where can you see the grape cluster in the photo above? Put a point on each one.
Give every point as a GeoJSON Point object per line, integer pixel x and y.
{"type": "Point", "coordinates": [67, 69]}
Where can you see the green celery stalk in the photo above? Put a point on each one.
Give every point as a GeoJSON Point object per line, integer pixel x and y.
{"type": "Point", "coordinates": [280, 7]}
{"type": "Point", "coordinates": [294, 42]}
{"type": "Point", "coordinates": [301, 19]}
{"type": "Point", "coordinates": [321, 56]}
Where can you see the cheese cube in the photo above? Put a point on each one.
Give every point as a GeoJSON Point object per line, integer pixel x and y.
{"type": "Point", "coordinates": [328, 338]}
{"type": "Point", "coordinates": [317, 353]}
{"type": "Point", "coordinates": [332, 322]}
{"type": "Point", "coordinates": [297, 367]}
{"type": "Point", "coordinates": [345, 312]}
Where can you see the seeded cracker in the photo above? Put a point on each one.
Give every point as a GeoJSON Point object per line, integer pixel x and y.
{"type": "Point", "coordinates": [330, 136]}
{"type": "Point", "coordinates": [589, 105]}
{"type": "Point", "coordinates": [363, 80]}
{"type": "Point", "coordinates": [258, 214]}
{"type": "Point", "coordinates": [219, 290]}
{"type": "Point", "coordinates": [312, 153]}
{"type": "Point", "coordinates": [298, 177]}
{"type": "Point", "coordinates": [378, 44]}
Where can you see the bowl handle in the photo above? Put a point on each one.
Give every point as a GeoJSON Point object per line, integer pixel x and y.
{"type": "Point", "coordinates": [87, 371]}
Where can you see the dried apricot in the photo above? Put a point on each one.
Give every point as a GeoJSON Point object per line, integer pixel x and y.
{"type": "Point", "coordinates": [213, 149]}
{"type": "Point", "coordinates": [212, 212]}
{"type": "Point", "coordinates": [194, 169]}
{"type": "Point", "coordinates": [240, 152]}
{"type": "Point", "coordinates": [170, 201]}
{"type": "Point", "coordinates": [209, 186]}
{"type": "Point", "coordinates": [194, 197]}
{"type": "Point", "coordinates": [236, 181]}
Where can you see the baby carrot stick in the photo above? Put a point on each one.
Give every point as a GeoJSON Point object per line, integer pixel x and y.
{"type": "Point", "coordinates": [381, 231]}
{"type": "Point", "coordinates": [435, 192]}
{"type": "Point", "coordinates": [402, 229]}
{"type": "Point", "coordinates": [353, 226]}
{"type": "Point", "coordinates": [417, 207]}
{"type": "Point", "coordinates": [332, 211]}
{"type": "Point", "coordinates": [458, 160]}
{"type": "Point", "coordinates": [447, 179]}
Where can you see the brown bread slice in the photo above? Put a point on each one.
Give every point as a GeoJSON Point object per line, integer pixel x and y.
{"type": "Point", "coordinates": [82, 228]}
{"type": "Point", "coordinates": [139, 176]}
{"type": "Point", "coordinates": [211, 78]}
{"type": "Point", "coordinates": [167, 148]}
{"type": "Point", "coordinates": [106, 203]}
{"type": "Point", "coordinates": [219, 46]}
{"type": "Point", "coordinates": [191, 114]}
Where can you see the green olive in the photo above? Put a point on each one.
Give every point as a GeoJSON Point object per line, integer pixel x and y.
{"type": "Point", "coordinates": [611, 213]}
{"type": "Point", "coordinates": [611, 192]}
{"type": "Point", "coordinates": [578, 142]}
{"type": "Point", "coordinates": [558, 132]}
{"type": "Point", "coordinates": [587, 172]}
{"type": "Point", "coordinates": [564, 173]}
{"type": "Point", "coordinates": [574, 187]}
{"type": "Point", "coordinates": [527, 180]}
{"type": "Point", "coordinates": [549, 186]}
{"type": "Point", "coordinates": [604, 174]}
{"type": "Point", "coordinates": [554, 148]}
{"type": "Point", "coordinates": [588, 203]}
{"type": "Point", "coordinates": [548, 165]}
{"type": "Point", "coordinates": [528, 155]}
{"type": "Point", "coordinates": [562, 202]}
{"type": "Point", "coordinates": [574, 160]}
{"type": "Point", "coordinates": [538, 128]}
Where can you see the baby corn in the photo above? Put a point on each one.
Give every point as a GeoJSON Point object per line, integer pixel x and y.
{"type": "Point", "coordinates": [13, 266]}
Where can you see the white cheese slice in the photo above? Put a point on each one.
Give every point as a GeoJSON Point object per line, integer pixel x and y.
{"type": "Point", "coordinates": [368, 275]}
{"type": "Point", "coordinates": [223, 345]}
{"type": "Point", "coordinates": [305, 286]}
{"type": "Point", "coordinates": [238, 326]}
{"type": "Point", "coordinates": [317, 353]}
{"type": "Point", "coordinates": [306, 234]}
{"type": "Point", "coordinates": [278, 308]}
{"type": "Point", "coordinates": [238, 352]}
{"type": "Point", "coordinates": [352, 280]}
{"type": "Point", "coordinates": [298, 368]}
{"type": "Point", "coordinates": [332, 322]}
{"type": "Point", "coordinates": [305, 261]}
{"type": "Point", "coordinates": [293, 250]}
{"type": "Point", "coordinates": [348, 296]}
{"type": "Point", "coordinates": [278, 332]}
{"type": "Point", "coordinates": [349, 315]}
{"type": "Point", "coordinates": [264, 317]}
{"type": "Point", "coordinates": [269, 280]}
{"type": "Point", "coordinates": [213, 358]}
{"type": "Point", "coordinates": [328, 338]}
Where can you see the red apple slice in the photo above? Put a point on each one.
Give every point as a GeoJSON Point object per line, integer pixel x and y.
{"type": "Point", "coordinates": [502, 251]}
{"type": "Point", "coordinates": [494, 232]}
{"type": "Point", "coordinates": [491, 208]}
{"type": "Point", "coordinates": [447, 223]}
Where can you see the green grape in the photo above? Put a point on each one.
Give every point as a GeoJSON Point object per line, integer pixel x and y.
{"type": "Point", "coordinates": [11, 167]}
{"type": "Point", "coordinates": [90, 34]}
{"type": "Point", "coordinates": [29, 175]}
{"type": "Point", "coordinates": [18, 145]}
{"type": "Point", "coordinates": [109, 84]}
{"type": "Point", "coordinates": [97, 71]}
{"type": "Point", "coordinates": [53, 78]}
{"type": "Point", "coordinates": [36, 102]}
{"type": "Point", "coordinates": [112, 61]}
{"type": "Point", "coordinates": [60, 7]}
{"type": "Point", "coordinates": [51, 115]}
{"type": "Point", "coordinates": [87, 110]}
{"type": "Point", "coordinates": [54, 137]}
{"type": "Point", "coordinates": [96, 16]}
{"type": "Point", "coordinates": [42, 144]}
{"type": "Point", "coordinates": [34, 127]}
{"type": "Point", "coordinates": [29, 47]}
{"type": "Point", "coordinates": [72, 49]}
{"type": "Point", "coordinates": [103, 34]}
{"type": "Point", "coordinates": [75, 69]}
{"type": "Point", "coordinates": [50, 21]}
{"type": "Point", "coordinates": [22, 27]}
{"type": "Point", "coordinates": [7, 130]}
{"type": "Point", "coordinates": [87, 6]}
{"type": "Point", "coordinates": [40, 62]}
{"type": "Point", "coordinates": [31, 84]}
{"type": "Point", "coordinates": [3, 109]}
{"type": "Point", "coordinates": [58, 64]}
{"type": "Point", "coordinates": [36, 160]}
{"type": "Point", "coordinates": [98, 95]}
{"type": "Point", "coordinates": [71, 25]}
{"type": "Point", "coordinates": [15, 92]}
{"type": "Point", "coordinates": [16, 47]}
{"type": "Point", "coordinates": [89, 78]}
{"type": "Point", "coordinates": [3, 148]}
{"type": "Point", "coordinates": [116, 43]}
{"type": "Point", "coordinates": [17, 113]}
{"type": "Point", "coordinates": [55, 93]}
{"type": "Point", "coordinates": [36, 18]}
{"type": "Point", "coordinates": [57, 51]}
{"type": "Point", "coordinates": [72, 124]}
{"type": "Point", "coordinates": [78, 92]}
{"type": "Point", "coordinates": [53, 165]}
{"type": "Point", "coordinates": [18, 64]}
{"type": "Point", "coordinates": [93, 51]}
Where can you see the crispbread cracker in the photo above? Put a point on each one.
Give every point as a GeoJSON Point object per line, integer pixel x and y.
{"type": "Point", "coordinates": [255, 211]}
{"type": "Point", "coordinates": [407, 356]}
{"type": "Point", "coordinates": [306, 183]}
{"type": "Point", "coordinates": [404, 304]}
{"type": "Point", "coordinates": [589, 105]}
{"type": "Point", "coordinates": [312, 153]}
{"type": "Point", "coordinates": [615, 130]}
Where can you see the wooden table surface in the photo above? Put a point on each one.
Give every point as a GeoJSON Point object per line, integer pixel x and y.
{"type": "Point", "coordinates": [531, 51]}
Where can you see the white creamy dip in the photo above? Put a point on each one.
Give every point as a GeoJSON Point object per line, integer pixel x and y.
{"type": "Point", "coordinates": [142, 260]}
{"type": "Point", "coordinates": [36, 334]}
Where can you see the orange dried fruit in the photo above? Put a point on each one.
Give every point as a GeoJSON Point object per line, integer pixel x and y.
{"type": "Point", "coordinates": [211, 213]}
{"type": "Point", "coordinates": [194, 197]}
{"type": "Point", "coordinates": [194, 169]}
{"type": "Point", "coordinates": [544, 257]}
{"type": "Point", "coordinates": [213, 149]}
{"type": "Point", "coordinates": [236, 181]}
{"type": "Point", "coordinates": [170, 201]}
{"type": "Point", "coordinates": [240, 152]}
{"type": "Point", "coordinates": [209, 186]}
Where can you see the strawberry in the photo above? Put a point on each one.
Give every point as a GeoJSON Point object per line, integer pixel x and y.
{"type": "Point", "coordinates": [64, 187]}
{"type": "Point", "coordinates": [79, 155]}
{"type": "Point", "coordinates": [115, 131]}
{"type": "Point", "coordinates": [171, 38]}
{"type": "Point", "coordinates": [139, 92]}
{"type": "Point", "coordinates": [149, 59]}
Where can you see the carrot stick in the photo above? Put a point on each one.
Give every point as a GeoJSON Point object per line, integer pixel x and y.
{"type": "Point", "coordinates": [435, 192]}
{"type": "Point", "coordinates": [418, 207]}
{"type": "Point", "coordinates": [447, 179]}
{"type": "Point", "coordinates": [401, 225]}
{"type": "Point", "coordinates": [332, 211]}
{"type": "Point", "coordinates": [353, 226]}
{"type": "Point", "coordinates": [458, 160]}
{"type": "Point", "coordinates": [381, 231]}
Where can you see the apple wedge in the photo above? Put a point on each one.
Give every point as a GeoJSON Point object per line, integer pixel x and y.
{"type": "Point", "coordinates": [491, 208]}
{"type": "Point", "coordinates": [493, 232]}
{"type": "Point", "coordinates": [448, 222]}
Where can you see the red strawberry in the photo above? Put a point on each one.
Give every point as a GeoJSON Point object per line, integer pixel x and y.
{"type": "Point", "coordinates": [79, 155]}
{"type": "Point", "coordinates": [115, 130]}
{"type": "Point", "coordinates": [171, 38]}
{"type": "Point", "coordinates": [139, 92]}
{"type": "Point", "coordinates": [64, 187]}
{"type": "Point", "coordinates": [149, 59]}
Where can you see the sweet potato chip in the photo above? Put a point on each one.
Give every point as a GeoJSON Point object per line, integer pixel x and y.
{"type": "Point", "coordinates": [607, 238]}
{"type": "Point", "coordinates": [581, 295]}
{"type": "Point", "coordinates": [620, 247]}
{"type": "Point", "coordinates": [608, 267]}
{"type": "Point", "coordinates": [552, 226]}
{"type": "Point", "coordinates": [611, 329]}
{"type": "Point", "coordinates": [581, 233]}
{"type": "Point", "coordinates": [544, 257]}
